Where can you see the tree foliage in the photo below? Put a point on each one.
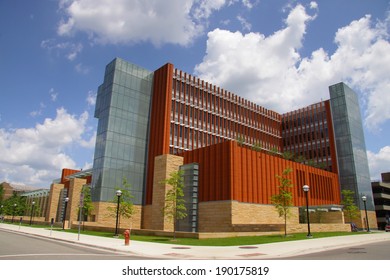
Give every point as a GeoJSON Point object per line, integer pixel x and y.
{"type": "Point", "coordinates": [175, 208]}
{"type": "Point", "coordinates": [87, 201]}
{"type": "Point", "coordinates": [283, 201]}
{"type": "Point", "coordinates": [126, 206]}
{"type": "Point", "coordinates": [240, 140]}
{"type": "Point", "coordinates": [87, 205]}
{"type": "Point", "coordinates": [351, 210]}
{"type": "Point", "coordinates": [9, 207]}
{"type": "Point", "coordinates": [257, 147]}
{"type": "Point", "coordinates": [1, 193]}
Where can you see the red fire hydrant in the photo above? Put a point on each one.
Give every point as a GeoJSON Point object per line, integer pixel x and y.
{"type": "Point", "coordinates": [127, 237]}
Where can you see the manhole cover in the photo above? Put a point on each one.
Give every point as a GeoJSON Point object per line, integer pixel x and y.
{"type": "Point", "coordinates": [356, 251]}
{"type": "Point", "coordinates": [180, 248]}
{"type": "Point", "coordinates": [248, 247]}
{"type": "Point", "coordinates": [252, 255]}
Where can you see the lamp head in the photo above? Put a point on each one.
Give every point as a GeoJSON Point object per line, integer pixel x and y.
{"type": "Point", "coordinates": [306, 188]}
{"type": "Point", "coordinates": [118, 193]}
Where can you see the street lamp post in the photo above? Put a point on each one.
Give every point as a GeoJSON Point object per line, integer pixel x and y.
{"type": "Point", "coordinates": [306, 190]}
{"type": "Point", "coordinates": [118, 194]}
{"type": "Point", "coordinates": [32, 212]}
{"type": "Point", "coordinates": [364, 198]}
{"type": "Point", "coordinates": [13, 213]}
{"type": "Point", "coordinates": [64, 215]}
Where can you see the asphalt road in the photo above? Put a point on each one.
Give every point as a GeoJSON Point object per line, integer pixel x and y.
{"type": "Point", "coordinates": [15, 246]}
{"type": "Point", "coordinates": [371, 251]}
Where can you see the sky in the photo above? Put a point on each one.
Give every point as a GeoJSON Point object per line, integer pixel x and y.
{"type": "Point", "coordinates": [281, 54]}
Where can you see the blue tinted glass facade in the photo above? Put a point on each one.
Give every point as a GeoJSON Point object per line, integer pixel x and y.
{"type": "Point", "coordinates": [122, 107]}
{"type": "Point", "coordinates": [350, 144]}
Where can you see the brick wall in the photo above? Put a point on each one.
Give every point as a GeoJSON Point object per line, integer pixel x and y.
{"type": "Point", "coordinates": [164, 165]}
{"type": "Point", "coordinates": [105, 216]}
{"type": "Point", "coordinates": [333, 217]}
{"type": "Point", "coordinates": [230, 216]}
{"type": "Point", "coordinates": [251, 213]}
{"type": "Point", "coordinates": [72, 209]}
{"type": "Point", "coordinates": [54, 199]}
{"type": "Point", "coordinates": [215, 216]}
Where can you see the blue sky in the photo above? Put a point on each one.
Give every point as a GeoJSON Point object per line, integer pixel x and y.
{"type": "Point", "coordinates": [281, 54]}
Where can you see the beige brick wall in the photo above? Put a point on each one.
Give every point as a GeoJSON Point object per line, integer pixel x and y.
{"type": "Point", "coordinates": [228, 216]}
{"type": "Point", "coordinates": [250, 213]}
{"type": "Point", "coordinates": [54, 198]}
{"type": "Point", "coordinates": [215, 216]}
{"type": "Point", "coordinates": [72, 209]}
{"type": "Point", "coordinates": [164, 165]}
{"type": "Point", "coordinates": [372, 222]}
{"type": "Point", "coordinates": [105, 215]}
{"type": "Point", "coordinates": [331, 217]}
{"type": "Point", "coordinates": [360, 221]}
{"type": "Point", "coordinates": [293, 228]}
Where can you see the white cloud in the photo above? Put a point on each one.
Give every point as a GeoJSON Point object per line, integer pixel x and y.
{"type": "Point", "coordinates": [39, 111]}
{"type": "Point", "coordinates": [71, 50]}
{"type": "Point", "coordinates": [207, 7]}
{"type": "Point", "coordinates": [36, 155]}
{"type": "Point", "coordinates": [91, 98]}
{"type": "Point", "coordinates": [53, 94]}
{"type": "Point", "coordinates": [80, 68]}
{"type": "Point", "coordinates": [120, 21]}
{"type": "Point", "coordinates": [379, 162]}
{"type": "Point", "coordinates": [249, 4]}
{"type": "Point", "coordinates": [313, 5]}
{"type": "Point", "coordinates": [268, 69]}
{"type": "Point", "coordinates": [132, 21]}
{"type": "Point", "coordinates": [244, 23]}
{"type": "Point", "coordinates": [260, 68]}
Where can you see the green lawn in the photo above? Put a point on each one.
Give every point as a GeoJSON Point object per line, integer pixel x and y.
{"type": "Point", "coordinates": [232, 241]}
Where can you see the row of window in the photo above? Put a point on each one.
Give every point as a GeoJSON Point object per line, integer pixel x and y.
{"type": "Point", "coordinates": [197, 117]}
{"type": "Point", "coordinates": [206, 95]}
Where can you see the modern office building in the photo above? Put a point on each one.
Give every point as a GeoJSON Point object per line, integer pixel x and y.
{"type": "Point", "coordinates": [155, 122]}
{"type": "Point", "coordinates": [329, 135]}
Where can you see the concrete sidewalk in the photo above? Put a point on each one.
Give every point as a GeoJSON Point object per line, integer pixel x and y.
{"type": "Point", "coordinates": [172, 251]}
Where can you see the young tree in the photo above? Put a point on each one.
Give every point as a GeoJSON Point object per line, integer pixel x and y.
{"type": "Point", "coordinates": [274, 151]}
{"type": "Point", "coordinates": [174, 208]}
{"type": "Point", "coordinates": [126, 206]}
{"type": "Point", "coordinates": [300, 159]}
{"type": "Point", "coordinates": [283, 201]}
{"type": "Point", "coordinates": [87, 206]}
{"type": "Point", "coordinates": [350, 208]}
{"type": "Point", "coordinates": [288, 155]}
{"type": "Point", "coordinates": [257, 146]}
{"type": "Point", "coordinates": [11, 209]}
{"type": "Point", "coordinates": [240, 140]}
{"type": "Point", "coordinates": [87, 201]}
{"type": "Point", "coordinates": [1, 193]}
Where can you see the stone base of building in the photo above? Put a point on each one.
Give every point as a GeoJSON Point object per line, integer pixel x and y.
{"type": "Point", "coordinates": [361, 221]}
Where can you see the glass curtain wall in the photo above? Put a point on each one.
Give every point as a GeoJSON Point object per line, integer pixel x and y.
{"type": "Point", "coordinates": [122, 107]}
{"type": "Point", "coordinates": [350, 144]}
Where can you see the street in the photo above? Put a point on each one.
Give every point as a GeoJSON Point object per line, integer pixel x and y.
{"type": "Point", "coordinates": [371, 251]}
{"type": "Point", "coordinates": [15, 246]}
{"type": "Point", "coordinates": [18, 246]}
